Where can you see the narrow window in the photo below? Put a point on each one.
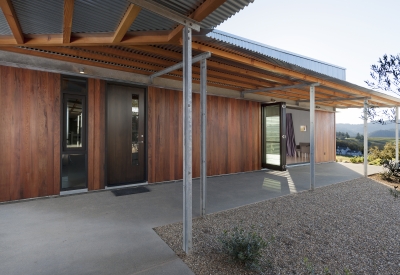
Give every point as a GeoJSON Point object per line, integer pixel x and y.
{"type": "Point", "coordinates": [135, 129]}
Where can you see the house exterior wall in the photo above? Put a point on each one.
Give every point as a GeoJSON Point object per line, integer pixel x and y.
{"type": "Point", "coordinates": [30, 122]}
{"type": "Point", "coordinates": [96, 134]}
{"type": "Point", "coordinates": [233, 135]}
{"type": "Point", "coordinates": [29, 133]}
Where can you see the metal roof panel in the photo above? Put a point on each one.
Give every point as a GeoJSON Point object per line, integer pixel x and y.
{"type": "Point", "coordinates": [98, 15]}
{"type": "Point", "coordinates": [225, 11]}
{"type": "Point", "coordinates": [146, 21]}
{"type": "Point", "coordinates": [36, 17]}
{"type": "Point", "coordinates": [4, 27]}
{"type": "Point", "coordinates": [240, 45]}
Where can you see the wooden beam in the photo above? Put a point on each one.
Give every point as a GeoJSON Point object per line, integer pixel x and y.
{"type": "Point", "coordinates": [73, 60]}
{"type": "Point", "coordinates": [276, 69]}
{"type": "Point", "coordinates": [129, 17]}
{"type": "Point", "coordinates": [87, 39]}
{"type": "Point", "coordinates": [199, 14]}
{"type": "Point", "coordinates": [67, 23]}
{"type": "Point", "coordinates": [213, 64]}
{"type": "Point", "coordinates": [11, 17]}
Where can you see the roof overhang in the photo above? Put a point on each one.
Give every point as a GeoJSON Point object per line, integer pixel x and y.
{"type": "Point", "coordinates": [143, 42]}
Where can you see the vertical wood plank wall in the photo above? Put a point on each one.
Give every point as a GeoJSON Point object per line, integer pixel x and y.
{"type": "Point", "coordinates": [96, 133]}
{"type": "Point", "coordinates": [325, 137]}
{"type": "Point", "coordinates": [233, 135]}
{"type": "Point", "coordinates": [29, 133]}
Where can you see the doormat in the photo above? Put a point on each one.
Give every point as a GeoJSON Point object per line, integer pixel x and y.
{"type": "Point", "coordinates": [130, 191]}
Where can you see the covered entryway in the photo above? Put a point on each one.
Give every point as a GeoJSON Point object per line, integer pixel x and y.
{"type": "Point", "coordinates": [125, 134]}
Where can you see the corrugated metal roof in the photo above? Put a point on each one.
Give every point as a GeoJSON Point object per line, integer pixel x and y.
{"type": "Point", "coordinates": [225, 11]}
{"type": "Point", "coordinates": [40, 16]}
{"type": "Point", "coordinates": [4, 28]}
{"type": "Point", "coordinates": [98, 15]}
{"type": "Point", "coordinates": [147, 20]}
{"type": "Point", "coordinates": [91, 16]}
{"type": "Point", "coordinates": [240, 45]}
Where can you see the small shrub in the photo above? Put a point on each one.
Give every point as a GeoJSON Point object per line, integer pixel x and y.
{"type": "Point", "coordinates": [376, 162]}
{"type": "Point", "coordinates": [394, 192]}
{"type": "Point", "coordinates": [309, 266]}
{"type": "Point", "coordinates": [357, 159]}
{"type": "Point", "coordinates": [391, 168]}
{"type": "Point", "coordinates": [386, 175]}
{"type": "Point", "coordinates": [243, 247]}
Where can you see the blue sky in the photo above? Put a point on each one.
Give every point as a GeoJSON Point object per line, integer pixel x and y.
{"type": "Point", "coordinates": [352, 34]}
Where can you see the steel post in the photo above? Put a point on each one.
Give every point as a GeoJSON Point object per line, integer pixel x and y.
{"type": "Point", "coordinates": [312, 138]}
{"type": "Point", "coordinates": [365, 138]}
{"type": "Point", "coordinates": [187, 139]}
{"type": "Point", "coordinates": [203, 146]}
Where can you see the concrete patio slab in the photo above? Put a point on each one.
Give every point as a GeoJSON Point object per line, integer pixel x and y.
{"type": "Point", "coordinates": [99, 233]}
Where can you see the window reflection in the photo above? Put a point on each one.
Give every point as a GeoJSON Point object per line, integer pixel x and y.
{"type": "Point", "coordinates": [135, 130]}
{"type": "Point", "coordinates": [73, 124]}
{"type": "Point", "coordinates": [73, 171]}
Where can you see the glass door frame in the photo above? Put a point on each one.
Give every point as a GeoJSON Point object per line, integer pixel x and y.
{"type": "Point", "coordinates": [282, 135]}
{"type": "Point", "coordinates": [83, 95]}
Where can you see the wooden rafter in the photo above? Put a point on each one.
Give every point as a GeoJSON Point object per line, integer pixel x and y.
{"type": "Point", "coordinates": [129, 17]}
{"type": "Point", "coordinates": [97, 39]}
{"type": "Point", "coordinates": [199, 14]}
{"type": "Point", "coordinates": [12, 20]}
{"type": "Point", "coordinates": [67, 21]}
{"type": "Point", "coordinates": [276, 69]}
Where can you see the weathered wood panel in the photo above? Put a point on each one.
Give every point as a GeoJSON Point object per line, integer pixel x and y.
{"type": "Point", "coordinates": [233, 135]}
{"type": "Point", "coordinates": [96, 133]}
{"type": "Point", "coordinates": [325, 143]}
{"type": "Point", "coordinates": [30, 133]}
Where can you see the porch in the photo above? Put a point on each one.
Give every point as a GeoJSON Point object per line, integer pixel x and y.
{"type": "Point", "coordinates": [99, 233]}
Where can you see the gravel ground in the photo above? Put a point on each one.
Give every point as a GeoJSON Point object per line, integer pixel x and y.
{"type": "Point", "coordinates": [352, 225]}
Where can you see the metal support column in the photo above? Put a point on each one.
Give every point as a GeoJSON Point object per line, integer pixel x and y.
{"type": "Point", "coordinates": [312, 138]}
{"type": "Point", "coordinates": [365, 138]}
{"type": "Point", "coordinates": [203, 145]}
{"type": "Point", "coordinates": [187, 139]}
{"type": "Point", "coordinates": [397, 134]}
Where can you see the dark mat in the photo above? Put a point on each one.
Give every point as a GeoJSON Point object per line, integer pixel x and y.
{"type": "Point", "coordinates": [130, 191]}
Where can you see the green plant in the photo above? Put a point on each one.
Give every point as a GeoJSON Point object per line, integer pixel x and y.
{"type": "Point", "coordinates": [309, 266]}
{"type": "Point", "coordinates": [394, 192]}
{"type": "Point", "coordinates": [243, 247]}
{"type": "Point", "coordinates": [386, 175]}
{"type": "Point", "coordinates": [376, 162]}
{"type": "Point", "coordinates": [392, 170]}
{"type": "Point", "coordinates": [357, 159]}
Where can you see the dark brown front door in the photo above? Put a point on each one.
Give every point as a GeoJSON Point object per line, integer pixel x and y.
{"type": "Point", "coordinates": [125, 134]}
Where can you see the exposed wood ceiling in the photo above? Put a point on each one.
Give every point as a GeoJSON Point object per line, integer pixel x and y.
{"type": "Point", "coordinates": [137, 52]}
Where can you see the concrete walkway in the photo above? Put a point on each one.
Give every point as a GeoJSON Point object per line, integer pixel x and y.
{"type": "Point", "coordinates": [99, 233]}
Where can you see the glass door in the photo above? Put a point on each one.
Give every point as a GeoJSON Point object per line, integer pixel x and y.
{"type": "Point", "coordinates": [74, 134]}
{"type": "Point", "coordinates": [273, 136]}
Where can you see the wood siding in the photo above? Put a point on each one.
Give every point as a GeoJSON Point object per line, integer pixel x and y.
{"type": "Point", "coordinates": [233, 135]}
{"type": "Point", "coordinates": [96, 133]}
{"type": "Point", "coordinates": [325, 137]}
{"type": "Point", "coordinates": [30, 133]}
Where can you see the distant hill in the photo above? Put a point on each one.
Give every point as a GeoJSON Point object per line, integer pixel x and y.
{"type": "Point", "coordinates": [383, 133]}
{"type": "Point", "coordinates": [353, 129]}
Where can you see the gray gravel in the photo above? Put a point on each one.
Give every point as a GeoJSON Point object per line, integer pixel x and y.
{"type": "Point", "coordinates": [352, 225]}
